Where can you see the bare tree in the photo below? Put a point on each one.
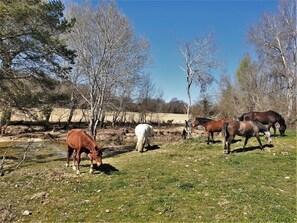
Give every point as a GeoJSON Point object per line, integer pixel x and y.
{"type": "Point", "coordinates": [146, 91]}
{"type": "Point", "coordinates": [275, 38]}
{"type": "Point", "coordinates": [109, 55]}
{"type": "Point", "coordinates": [199, 59]}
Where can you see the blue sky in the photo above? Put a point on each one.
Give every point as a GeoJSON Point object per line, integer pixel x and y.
{"type": "Point", "coordinates": [166, 23]}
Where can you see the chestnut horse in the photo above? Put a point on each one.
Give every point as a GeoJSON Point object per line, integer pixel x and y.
{"type": "Point", "coordinates": [210, 126]}
{"type": "Point", "coordinates": [268, 118]}
{"type": "Point", "coordinates": [79, 141]}
{"type": "Point", "coordinates": [243, 128]}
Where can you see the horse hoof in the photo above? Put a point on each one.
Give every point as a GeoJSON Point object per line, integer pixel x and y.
{"type": "Point", "coordinates": [67, 165]}
{"type": "Point", "coordinates": [91, 171]}
{"type": "Point", "coordinates": [77, 172]}
{"type": "Point", "coordinates": [74, 168]}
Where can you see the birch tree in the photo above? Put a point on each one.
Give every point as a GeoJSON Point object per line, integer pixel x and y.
{"type": "Point", "coordinates": [109, 54]}
{"type": "Point", "coordinates": [275, 39]}
{"type": "Point", "coordinates": [199, 59]}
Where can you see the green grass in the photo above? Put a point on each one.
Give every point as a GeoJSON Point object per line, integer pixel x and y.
{"type": "Point", "coordinates": [187, 181]}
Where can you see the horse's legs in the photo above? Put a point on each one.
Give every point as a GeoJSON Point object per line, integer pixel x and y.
{"type": "Point", "coordinates": [69, 153]}
{"type": "Point", "coordinates": [208, 136]}
{"type": "Point", "coordinates": [74, 160]}
{"type": "Point", "coordinates": [148, 142]}
{"type": "Point", "coordinates": [225, 143]}
{"type": "Point", "coordinates": [274, 129]}
{"type": "Point", "coordinates": [231, 137]}
{"type": "Point", "coordinates": [245, 142]}
{"type": "Point", "coordinates": [212, 137]}
{"type": "Point", "coordinates": [258, 138]}
{"type": "Point", "coordinates": [78, 161]}
{"type": "Point", "coordinates": [91, 159]}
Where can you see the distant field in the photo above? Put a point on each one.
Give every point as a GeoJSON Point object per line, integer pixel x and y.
{"type": "Point", "coordinates": [61, 114]}
{"type": "Point", "coordinates": [185, 181]}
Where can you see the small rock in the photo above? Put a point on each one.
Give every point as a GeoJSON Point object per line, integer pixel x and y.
{"type": "Point", "coordinates": [26, 212]}
{"type": "Point", "coordinates": [107, 211]}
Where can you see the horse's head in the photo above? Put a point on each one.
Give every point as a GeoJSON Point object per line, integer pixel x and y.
{"type": "Point", "coordinates": [282, 129]}
{"type": "Point", "coordinates": [97, 155]}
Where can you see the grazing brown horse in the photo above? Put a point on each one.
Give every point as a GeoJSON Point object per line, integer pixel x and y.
{"type": "Point", "coordinates": [210, 125]}
{"type": "Point", "coordinates": [268, 118]}
{"type": "Point", "coordinates": [79, 141]}
{"type": "Point", "coordinates": [243, 128]}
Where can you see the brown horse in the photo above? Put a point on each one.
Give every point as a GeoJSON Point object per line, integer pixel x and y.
{"type": "Point", "coordinates": [210, 125]}
{"type": "Point", "coordinates": [243, 128]}
{"type": "Point", "coordinates": [268, 118]}
{"type": "Point", "coordinates": [79, 141]}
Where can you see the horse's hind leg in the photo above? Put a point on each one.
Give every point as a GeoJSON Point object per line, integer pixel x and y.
{"type": "Point", "coordinates": [69, 153]}
{"type": "Point", "coordinates": [208, 137]}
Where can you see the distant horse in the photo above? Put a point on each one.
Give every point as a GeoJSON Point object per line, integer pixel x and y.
{"type": "Point", "coordinates": [267, 118]}
{"type": "Point", "coordinates": [210, 126]}
{"type": "Point", "coordinates": [143, 132]}
{"type": "Point", "coordinates": [79, 141]}
{"type": "Point", "coordinates": [243, 128]}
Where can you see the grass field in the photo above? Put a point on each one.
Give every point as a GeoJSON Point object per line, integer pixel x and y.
{"type": "Point", "coordinates": [186, 181]}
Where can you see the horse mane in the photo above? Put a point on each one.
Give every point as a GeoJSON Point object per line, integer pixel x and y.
{"type": "Point", "coordinates": [203, 120]}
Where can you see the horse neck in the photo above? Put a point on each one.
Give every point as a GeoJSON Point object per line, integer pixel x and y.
{"type": "Point", "coordinates": [281, 121]}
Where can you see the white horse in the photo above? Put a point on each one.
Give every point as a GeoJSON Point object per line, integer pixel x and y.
{"type": "Point", "coordinates": [142, 132]}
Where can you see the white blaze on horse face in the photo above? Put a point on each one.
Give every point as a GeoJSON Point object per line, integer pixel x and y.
{"type": "Point", "coordinates": [267, 136]}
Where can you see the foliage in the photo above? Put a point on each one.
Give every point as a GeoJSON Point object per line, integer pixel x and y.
{"type": "Point", "coordinates": [179, 182]}
{"type": "Point", "coordinates": [32, 50]}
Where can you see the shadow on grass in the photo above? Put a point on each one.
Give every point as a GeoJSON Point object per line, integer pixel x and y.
{"type": "Point", "coordinates": [106, 169]}
{"type": "Point", "coordinates": [153, 147]}
{"type": "Point", "coordinates": [111, 151]}
{"type": "Point", "coordinates": [251, 148]}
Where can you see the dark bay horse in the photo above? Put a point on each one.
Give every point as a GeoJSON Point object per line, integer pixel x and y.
{"type": "Point", "coordinates": [79, 141]}
{"type": "Point", "coordinates": [268, 118]}
{"type": "Point", "coordinates": [243, 128]}
{"type": "Point", "coordinates": [210, 126]}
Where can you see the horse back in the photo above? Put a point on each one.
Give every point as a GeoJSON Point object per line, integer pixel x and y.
{"type": "Point", "coordinates": [216, 126]}
{"type": "Point", "coordinates": [78, 138]}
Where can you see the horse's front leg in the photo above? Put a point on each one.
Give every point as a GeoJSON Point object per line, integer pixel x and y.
{"type": "Point", "coordinates": [148, 142]}
{"type": "Point", "coordinates": [91, 160]}
{"type": "Point", "coordinates": [74, 160]}
{"type": "Point", "coordinates": [274, 129]}
{"type": "Point", "coordinates": [78, 161]}
{"type": "Point", "coordinates": [258, 138]}
{"type": "Point", "coordinates": [245, 142]}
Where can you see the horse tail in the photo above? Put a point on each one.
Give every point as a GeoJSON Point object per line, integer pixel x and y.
{"type": "Point", "coordinates": [224, 133]}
